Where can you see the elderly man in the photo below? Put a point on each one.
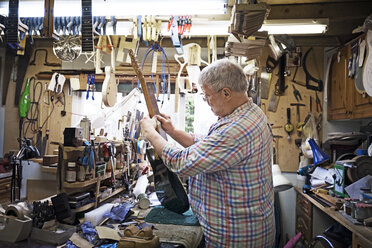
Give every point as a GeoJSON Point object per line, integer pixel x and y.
{"type": "Point", "coordinates": [229, 169]}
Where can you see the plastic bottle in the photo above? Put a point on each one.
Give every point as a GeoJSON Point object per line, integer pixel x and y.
{"type": "Point", "coordinates": [25, 101]}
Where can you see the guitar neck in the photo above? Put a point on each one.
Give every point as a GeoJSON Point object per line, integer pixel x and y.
{"type": "Point", "coordinates": [86, 26]}
{"type": "Point", "coordinates": [12, 22]}
{"type": "Point", "coordinates": [151, 104]}
{"type": "Point", "coordinates": [148, 92]}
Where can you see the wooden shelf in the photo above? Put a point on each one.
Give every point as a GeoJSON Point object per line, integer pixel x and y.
{"type": "Point", "coordinates": [49, 169]}
{"type": "Point", "coordinates": [115, 192]}
{"type": "Point", "coordinates": [83, 208]}
{"type": "Point", "coordinates": [90, 205]}
{"type": "Point", "coordinates": [89, 182]}
{"type": "Point", "coordinates": [71, 154]}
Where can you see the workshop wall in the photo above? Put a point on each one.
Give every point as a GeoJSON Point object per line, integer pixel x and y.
{"type": "Point", "coordinates": [287, 154]}
{"type": "Point", "coordinates": [57, 122]}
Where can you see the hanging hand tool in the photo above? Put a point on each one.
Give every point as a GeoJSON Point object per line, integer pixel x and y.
{"type": "Point", "coordinates": [24, 106]}
{"type": "Point", "coordinates": [296, 93]}
{"type": "Point", "coordinates": [276, 148]}
{"type": "Point", "coordinates": [300, 124]}
{"type": "Point", "coordinates": [46, 63]}
{"type": "Point", "coordinates": [280, 85]}
{"type": "Point", "coordinates": [91, 86]}
{"type": "Point", "coordinates": [296, 82]}
{"type": "Point", "coordinates": [318, 103]}
{"type": "Point", "coordinates": [309, 78]}
{"type": "Point", "coordinates": [170, 21]}
{"type": "Point", "coordinates": [109, 153]}
{"type": "Point", "coordinates": [288, 127]}
{"type": "Point", "coordinates": [271, 63]}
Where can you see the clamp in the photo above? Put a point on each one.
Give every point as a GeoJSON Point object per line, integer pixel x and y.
{"type": "Point", "coordinates": [90, 86]}
{"type": "Point", "coordinates": [296, 93]}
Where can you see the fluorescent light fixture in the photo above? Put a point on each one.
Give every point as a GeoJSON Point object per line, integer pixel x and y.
{"type": "Point", "coordinates": [122, 8]}
{"type": "Point", "coordinates": [295, 26]}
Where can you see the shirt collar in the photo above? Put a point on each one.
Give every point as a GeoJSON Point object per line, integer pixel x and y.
{"type": "Point", "coordinates": [238, 110]}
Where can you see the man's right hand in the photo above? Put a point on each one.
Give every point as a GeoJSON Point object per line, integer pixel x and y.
{"type": "Point", "coordinates": [166, 123]}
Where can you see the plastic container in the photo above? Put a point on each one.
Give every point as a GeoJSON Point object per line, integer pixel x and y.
{"type": "Point", "coordinates": [141, 185]}
{"type": "Point", "coordinates": [363, 191]}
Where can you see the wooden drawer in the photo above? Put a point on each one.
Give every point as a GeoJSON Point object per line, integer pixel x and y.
{"type": "Point", "coordinates": [304, 225]}
{"type": "Point", "coordinates": [359, 242]}
{"type": "Point", "coordinates": [304, 218]}
{"type": "Point", "coordinates": [304, 205]}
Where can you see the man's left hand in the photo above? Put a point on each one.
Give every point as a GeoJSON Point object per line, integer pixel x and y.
{"type": "Point", "coordinates": [148, 125]}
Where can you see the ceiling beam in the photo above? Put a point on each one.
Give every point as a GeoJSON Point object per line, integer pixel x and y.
{"type": "Point", "coordinates": [281, 2]}
{"type": "Point", "coordinates": [337, 11]}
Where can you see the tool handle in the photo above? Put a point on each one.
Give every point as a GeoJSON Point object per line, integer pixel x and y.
{"type": "Point", "coordinates": [288, 115]}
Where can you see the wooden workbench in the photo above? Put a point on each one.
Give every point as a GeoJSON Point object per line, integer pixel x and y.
{"type": "Point", "coordinates": [361, 235]}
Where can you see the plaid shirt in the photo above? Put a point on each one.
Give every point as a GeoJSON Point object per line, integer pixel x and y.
{"type": "Point", "coordinates": [230, 185]}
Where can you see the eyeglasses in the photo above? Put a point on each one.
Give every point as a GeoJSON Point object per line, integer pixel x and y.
{"type": "Point", "coordinates": [207, 97]}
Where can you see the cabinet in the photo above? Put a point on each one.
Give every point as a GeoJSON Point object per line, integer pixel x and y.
{"type": "Point", "coordinates": [344, 101]}
{"type": "Point", "coordinates": [71, 154]}
{"type": "Point", "coordinates": [304, 219]}
{"type": "Point", "coordinates": [306, 209]}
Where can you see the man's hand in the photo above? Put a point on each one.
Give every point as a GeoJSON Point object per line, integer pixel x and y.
{"type": "Point", "coordinates": [166, 123]}
{"type": "Point", "coordinates": [148, 125]}
{"type": "Point", "coordinates": [148, 129]}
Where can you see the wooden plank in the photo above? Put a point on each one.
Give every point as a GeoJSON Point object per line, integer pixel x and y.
{"type": "Point", "coordinates": [48, 26]}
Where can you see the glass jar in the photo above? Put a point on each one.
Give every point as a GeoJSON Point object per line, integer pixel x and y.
{"type": "Point", "coordinates": [71, 172]}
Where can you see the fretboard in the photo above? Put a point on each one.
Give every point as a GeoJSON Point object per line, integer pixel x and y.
{"type": "Point", "coordinates": [87, 26]}
{"type": "Point", "coordinates": [12, 22]}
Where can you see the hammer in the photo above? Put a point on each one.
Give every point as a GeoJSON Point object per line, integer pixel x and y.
{"type": "Point", "coordinates": [299, 123]}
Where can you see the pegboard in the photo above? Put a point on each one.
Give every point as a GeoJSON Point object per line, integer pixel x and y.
{"type": "Point", "coordinates": [57, 121]}
{"type": "Point", "coordinates": [288, 152]}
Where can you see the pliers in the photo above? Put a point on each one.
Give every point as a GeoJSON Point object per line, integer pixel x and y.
{"type": "Point", "coordinates": [91, 86]}
{"type": "Point", "coordinates": [318, 103]}
{"type": "Point", "coordinates": [296, 93]}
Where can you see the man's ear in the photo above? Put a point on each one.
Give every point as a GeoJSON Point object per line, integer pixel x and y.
{"type": "Point", "coordinates": [227, 92]}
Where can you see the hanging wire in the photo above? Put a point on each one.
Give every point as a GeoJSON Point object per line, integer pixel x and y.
{"type": "Point", "coordinates": [32, 120]}
{"type": "Point", "coordinates": [151, 50]}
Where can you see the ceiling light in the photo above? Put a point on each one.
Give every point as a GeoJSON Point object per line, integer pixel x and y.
{"type": "Point", "coordinates": [295, 26]}
{"type": "Point", "coordinates": [120, 8]}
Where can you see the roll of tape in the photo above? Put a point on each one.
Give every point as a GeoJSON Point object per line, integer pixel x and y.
{"type": "Point", "coordinates": [14, 210]}
{"type": "Point", "coordinates": [143, 201]}
{"type": "Point", "coordinates": [370, 150]}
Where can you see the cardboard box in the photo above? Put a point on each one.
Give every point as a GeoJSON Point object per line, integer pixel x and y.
{"type": "Point", "coordinates": [60, 234]}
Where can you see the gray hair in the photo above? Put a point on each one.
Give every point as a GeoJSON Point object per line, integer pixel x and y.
{"type": "Point", "coordinates": [224, 74]}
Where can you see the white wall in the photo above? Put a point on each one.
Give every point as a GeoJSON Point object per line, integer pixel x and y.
{"type": "Point", "coordinates": [32, 170]}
